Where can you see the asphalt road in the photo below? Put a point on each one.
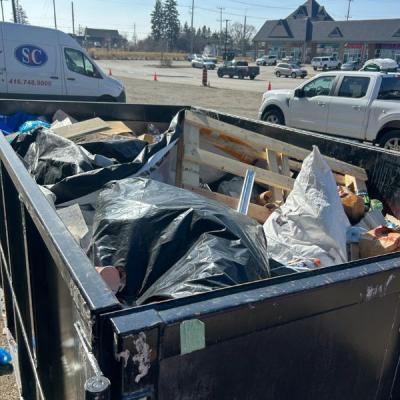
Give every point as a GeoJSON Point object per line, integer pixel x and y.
{"type": "Point", "coordinates": [181, 72]}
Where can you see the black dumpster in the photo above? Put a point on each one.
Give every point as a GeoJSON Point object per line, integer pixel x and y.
{"type": "Point", "coordinates": [326, 334]}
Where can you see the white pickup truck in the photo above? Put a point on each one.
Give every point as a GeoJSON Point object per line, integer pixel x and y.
{"type": "Point", "coordinates": [357, 105]}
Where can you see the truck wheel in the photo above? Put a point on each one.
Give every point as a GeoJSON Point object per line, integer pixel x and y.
{"type": "Point", "coordinates": [278, 74]}
{"type": "Point", "coordinates": [220, 74]}
{"type": "Point", "coordinates": [325, 67]}
{"type": "Point", "coordinates": [391, 140]}
{"type": "Point", "coordinates": [231, 76]}
{"type": "Point", "coordinates": [241, 76]}
{"type": "Point", "coordinates": [274, 116]}
{"type": "Point", "coordinates": [294, 75]}
{"type": "Point", "coordinates": [339, 66]}
{"type": "Point", "coordinates": [252, 77]}
{"type": "Point", "coordinates": [315, 68]}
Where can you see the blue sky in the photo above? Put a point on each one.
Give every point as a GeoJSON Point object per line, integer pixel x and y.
{"type": "Point", "coordinates": [123, 14]}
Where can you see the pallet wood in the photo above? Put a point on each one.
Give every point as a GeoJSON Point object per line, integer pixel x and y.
{"type": "Point", "coordinates": [259, 213]}
{"type": "Point", "coordinates": [273, 166]}
{"type": "Point", "coordinates": [190, 167]}
{"type": "Point", "coordinates": [79, 129]}
{"type": "Point", "coordinates": [237, 168]}
{"type": "Point", "coordinates": [262, 142]}
{"type": "Point", "coordinates": [118, 128]}
{"type": "Point", "coordinates": [356, 185]}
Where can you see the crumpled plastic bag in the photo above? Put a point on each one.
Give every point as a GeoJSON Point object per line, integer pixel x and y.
{"type": "Point", "coordinates": [174, 243]}
{"type": "Point", "coordinates": [312, 223]}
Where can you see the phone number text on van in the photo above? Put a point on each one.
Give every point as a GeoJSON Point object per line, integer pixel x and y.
{"type": "Point", "coordinates": [29, 82]}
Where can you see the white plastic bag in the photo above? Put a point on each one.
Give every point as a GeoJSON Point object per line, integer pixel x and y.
{"type": "Point", "coordinates": [312, 223]}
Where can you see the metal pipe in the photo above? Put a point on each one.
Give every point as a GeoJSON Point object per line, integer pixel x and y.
{"type": "Point", "coordinates": [247, 188]}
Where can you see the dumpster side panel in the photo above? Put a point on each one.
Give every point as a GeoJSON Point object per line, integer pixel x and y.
{"type": "Point", "coordinates": [53, 294]}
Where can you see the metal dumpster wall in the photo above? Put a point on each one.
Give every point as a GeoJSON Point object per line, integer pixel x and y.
{"type": "Point", "coordinates": [53, 295]}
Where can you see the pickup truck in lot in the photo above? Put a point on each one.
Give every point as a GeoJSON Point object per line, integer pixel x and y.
{"type": "Point", "coordinates": [358, 105]}
{"type": "Point", "coordinates": [325, 63]}
{"type": "Point", "coordinates": [241, 69]}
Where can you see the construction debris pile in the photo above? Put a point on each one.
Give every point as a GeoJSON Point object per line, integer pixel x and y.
{"type": "Point", "coordinates": [203, 206]}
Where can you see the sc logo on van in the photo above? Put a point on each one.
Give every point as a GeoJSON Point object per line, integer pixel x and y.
{"type": "Point", "coordinates": [30, 55]}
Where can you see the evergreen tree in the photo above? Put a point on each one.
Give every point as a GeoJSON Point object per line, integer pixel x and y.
{"type": "Point", "coordinates": [21, 16]}
{"type": "Point", "coordinates": [171, 21]}
{"type": "Point", "coordinates": [157, 22]}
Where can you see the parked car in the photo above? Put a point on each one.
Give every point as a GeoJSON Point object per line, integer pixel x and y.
{"type": "Point", "coordinates": [201, 63]}
{"type": "Point", "coordinates": [351, 65]}
{"type": "Point", "coordinates": [45, 63]}
{"type": "Point", "coordinates": [325, 63]}
{"type": "Point", "coordinates": [213, 59]}
{"type": "Point", "coordinates": [381, 64]}
{"type": "Point", "coordinates": [241, 69]}
{"type": "Point", "coordinates": [267, 60]}
{"type": "Point", "coordinates": [357, 105]}
{"type": "Point", "coordinates": [292, 70]}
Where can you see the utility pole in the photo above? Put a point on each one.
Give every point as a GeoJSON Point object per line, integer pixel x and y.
{"type": "Point", "coordinates": [244, 33]}
{"type": "Point", "coordinates": [348, 10]}
{"type": "Point", "coordinates": [14, 8]}
{"type": "Point", "coordinates": [134, 34]}
{"type": "Point", "coordinates": [191, 30]}
{"type": "Point", "coordinates": [73, 17]}
{"type": "Point", "coordinates": [55, 16]}
{"type": "Point", "coordinates": [2, 10]}
{"type": "Point", "coordinates": [220, 30]}
{"type": "Point", "coordinates": [226, 35]}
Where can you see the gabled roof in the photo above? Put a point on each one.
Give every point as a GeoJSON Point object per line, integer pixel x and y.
{"type": "Point", "coordinates": [336, 33]}
{"type": "Point", "coordinates": [375, 31]}
{"type": "Point", "coordinates": [289, 30]}
{"type": "Point", "coordinates": [102, 33]}
{"type": "Point", "coordinates": [311, 9]}
{"type": "Point", "coordinates": [397, 33]}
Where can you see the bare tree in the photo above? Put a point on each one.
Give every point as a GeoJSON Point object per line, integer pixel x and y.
{"type": "Point", "coordinates": [241, 35]}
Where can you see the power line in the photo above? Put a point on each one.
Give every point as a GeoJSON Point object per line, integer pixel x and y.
{"type": "Point", "coordinates": [260, 5]}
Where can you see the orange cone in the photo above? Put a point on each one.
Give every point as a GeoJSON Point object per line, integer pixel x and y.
{"type": "Point", "coordinates": [269, 86]}
{"type": "Point", "coordinates": [109, 72]}
{"type": "Point", "coordinates": [155, 78]}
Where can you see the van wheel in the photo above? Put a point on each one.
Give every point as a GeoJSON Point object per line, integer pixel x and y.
{"type": "Point", "coordinates": [391, 140]}
{"type": "Point", "coordinates": [274, 116]}
{"type": "Point", "coordinates": [106, 99]}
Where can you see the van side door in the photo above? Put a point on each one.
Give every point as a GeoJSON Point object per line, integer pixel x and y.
{"type": "Point", "coordinates": [82, 78]}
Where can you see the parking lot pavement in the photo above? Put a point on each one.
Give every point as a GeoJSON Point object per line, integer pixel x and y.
{"type": "Point", "coordinates": [182, 73]}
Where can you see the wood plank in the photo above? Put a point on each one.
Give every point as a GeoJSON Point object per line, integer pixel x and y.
{"type": "Point", "coordinates": [190, 168]}
{"type": "Point", "coordinates": [118, 128]}
{"type": "Point", "coordinates": [273, 166]}
{"type": "Point", "coordinates": [262, 142]}
{"type": "Point", "coordinates": [259, 213]}
{"type": "Point", "coordinates": [238, 168]}
{"type": "Point", "coordinates": [285, 168]}
{"type": "Point", "coordinates": [81, 128]}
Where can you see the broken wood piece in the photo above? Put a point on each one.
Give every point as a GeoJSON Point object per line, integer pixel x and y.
{"type": "Point", "coordinates": [79, 129]}
{"type": "Point", "coordinates": [264, 198]}
{"type": "Point", "coordinates": [354, 184]}
{"type": "Point", "coordinates": [262, 142]}
{"type": "Point", "coordinates": [190, 168]}
{"type": "Point", "coordinates": [237, 168]}
{"type": "Point", "coordinates": [273, 166]}
{"type": "Point", "coordinates": [259, 213]}
{"type": "Point", "coordinates": [118, 128]}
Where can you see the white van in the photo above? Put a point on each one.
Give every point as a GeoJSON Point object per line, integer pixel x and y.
{"type": "Point", "coordinates": [42, 63]}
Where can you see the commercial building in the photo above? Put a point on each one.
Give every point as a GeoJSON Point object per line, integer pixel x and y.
{"type": "Point", "coordinates": [103, 38]}
{"type": "Point", "coordinates": [310, 31]}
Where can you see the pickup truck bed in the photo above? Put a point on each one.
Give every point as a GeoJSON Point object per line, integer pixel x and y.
{"type": "Point", "coordinates": [238, 70]}
{"type": "Point", "coordinates": [328, 334]}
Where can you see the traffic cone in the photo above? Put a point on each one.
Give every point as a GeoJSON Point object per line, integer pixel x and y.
{"type": "Point", "coordinates": [155, 78]}
{"type": "Point", "coordinates": [269, 86]}
{"type": "Point", "coordinates": [109, 72]}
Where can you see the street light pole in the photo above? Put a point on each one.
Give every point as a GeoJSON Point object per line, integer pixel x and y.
{"type": "Point", "coordinates": [73, 17]}
{"type": "Point", "coordinates": [14, 8]}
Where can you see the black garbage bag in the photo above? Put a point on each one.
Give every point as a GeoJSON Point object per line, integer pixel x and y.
{"type": "Point", "coordinates": [173, 243]}
{"type": "Point", "coordinates": [72, 174]}
{"type": "Point", "coordinates": [49, 157]}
